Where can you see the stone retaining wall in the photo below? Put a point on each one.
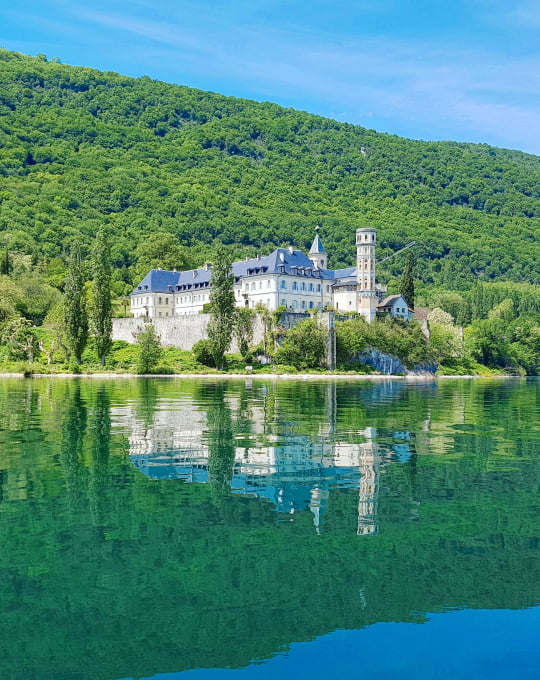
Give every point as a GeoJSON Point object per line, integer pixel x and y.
{"type": "Point", "coordinates": [175, 331]}
{"type": "Point", "coordinates": [185, 330]}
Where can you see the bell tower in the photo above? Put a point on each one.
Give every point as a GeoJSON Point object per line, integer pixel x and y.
{"type": "Point", "coordinates": [366, 239]}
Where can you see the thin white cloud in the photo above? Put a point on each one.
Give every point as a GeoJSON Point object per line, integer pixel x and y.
{"type": "Point", "coordinates": [154, 30]}
{"type": "Point", "coordinates": [414, 85]}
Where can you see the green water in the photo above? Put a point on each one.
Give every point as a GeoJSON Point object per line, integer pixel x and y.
{"type": "Point", "coordinates": [159, 526]}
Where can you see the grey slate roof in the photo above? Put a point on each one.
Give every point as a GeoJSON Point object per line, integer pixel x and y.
{"type": "Point", "coordinates": [316, 246]}
{"type": "Point", "coordinates": [280, 261]}
{"type": "Point", "coordinates": [389, 300]}
{"type": "Point", "coordinates": [156, 281]}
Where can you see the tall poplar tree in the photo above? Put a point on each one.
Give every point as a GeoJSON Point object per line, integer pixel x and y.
{"type": "Point", "coordinates": [101, 311]}
{"type": "Point", "coordinates": [222, 307]}
{"type": "Point", "coordinates": [406, 285]}
{"type": "Point", "coordinates": [5, 264]}
{"type": "Point", "coordinates": [75, 317]}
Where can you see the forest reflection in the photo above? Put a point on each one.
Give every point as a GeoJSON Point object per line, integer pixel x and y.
{"type": "Point", "coordinates": [188, 524]}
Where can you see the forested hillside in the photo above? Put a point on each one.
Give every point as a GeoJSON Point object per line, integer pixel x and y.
{"type": "Point", "coordinates": [82, 149]}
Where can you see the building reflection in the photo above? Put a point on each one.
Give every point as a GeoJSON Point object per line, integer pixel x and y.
{"type": "Point", "coordinates": [292, 471]}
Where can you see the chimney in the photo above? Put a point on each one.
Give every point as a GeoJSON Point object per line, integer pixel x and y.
{"type": "Point", "coordinates": [291, 250]}
{"type": "Point", "coordinates": [258, 257]}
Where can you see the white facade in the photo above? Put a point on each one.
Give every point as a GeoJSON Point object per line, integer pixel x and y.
{"type": "Point", "coordinates": [285, 278]}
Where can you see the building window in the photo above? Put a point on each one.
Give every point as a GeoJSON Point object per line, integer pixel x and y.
{"type": "Point", "coordinates": [268, 283]}
{"type": "Point", "coordinates": [166, 301]}
{"type": "Point", "coordinates": [284, 303]}
{"type": "Point", "coordinates": [327, 289]}
{"type": "Point", "coordinates": [303, 285]}
{"type": "Point", "coordinates": [311, 305]}
{"type": "Point", "coordinates": [295, 285]}
{"type": "Point", "coordinates": [303, 304]}
{"type": "Point", "coordinates": [159, 300]}
{"type": "Point", "coordinates": [295, 304]}
{"type": "Point", "coordinates": [311, 286]}
{"type": "Point", "coordinates": [284, 285]}
{"type": "Point", "coordinates": [318, 288]}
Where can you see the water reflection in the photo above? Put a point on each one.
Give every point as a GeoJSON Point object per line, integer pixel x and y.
{"type": "Point", "coordinates": [248, 447]}
{"type": "Point", "coordinates": [110, 569]}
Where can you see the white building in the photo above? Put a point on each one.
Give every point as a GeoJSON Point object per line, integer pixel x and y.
{"type": "Point", "coordinates": [287, 278]}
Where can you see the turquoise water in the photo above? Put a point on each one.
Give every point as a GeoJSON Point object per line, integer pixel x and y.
{"type": "Point", "coordinates": [172, 528]}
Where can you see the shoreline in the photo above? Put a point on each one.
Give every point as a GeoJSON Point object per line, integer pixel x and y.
{"type": "Point", "coordinates": [261, 376]}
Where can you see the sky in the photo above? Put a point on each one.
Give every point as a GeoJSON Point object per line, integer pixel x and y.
{"type": "Point", "coordinates": [463, 70]}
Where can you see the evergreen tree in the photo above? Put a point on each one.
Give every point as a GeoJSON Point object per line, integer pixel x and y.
{"type": "Point", "coordinates": [75, 318]}
{"type": "Point", "coordinates": [5, 264]}
{"type": "Point", "coordinates": [101, 302]}
{"type": "Point", "coordinates": [406, 285]}
{"type": "Point", "coordinates": [222, 307]}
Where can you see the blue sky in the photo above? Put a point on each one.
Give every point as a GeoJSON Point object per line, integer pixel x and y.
{"type": "Point", "coordinates": [466, 70]}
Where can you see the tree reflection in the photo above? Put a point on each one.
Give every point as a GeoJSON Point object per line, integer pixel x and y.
{"type": "Point", "coordinates": [99, 450]}
{"type": "Point", "coordinates": [220, 438]}
{"type": "Point", "coordinates": [71, 444]}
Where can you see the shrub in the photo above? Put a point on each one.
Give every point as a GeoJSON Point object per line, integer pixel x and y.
{"type": "Point", "coordinates": [203, 354]}
{"type": "Point", "coordinates": [304, 346]}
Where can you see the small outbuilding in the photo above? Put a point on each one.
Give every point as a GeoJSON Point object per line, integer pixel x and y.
{"type": "Point", "coordinates": [396, 306]}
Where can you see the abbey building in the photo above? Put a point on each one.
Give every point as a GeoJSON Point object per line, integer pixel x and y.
{"type": "Point", "coordinates": [287, 278]}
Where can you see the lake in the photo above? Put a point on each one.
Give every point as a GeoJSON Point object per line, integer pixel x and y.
{"type": "Point", "coordinates": [184, 529]}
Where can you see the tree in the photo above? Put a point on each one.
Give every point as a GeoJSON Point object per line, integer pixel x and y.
{"type": "Point", "coordinates": [304, 346]}
{"type": "Point", "coordinates": [439, 316]}
{"type": "Point", "coordinates": [54, 324]}
{"type": "Point", "coordinates": [487, 342]}
{"type": "Point", "coordinates": [150, 349]}
{"type": "Point", "coordinates": [161, 250]}
{"type": "Point", "coordinates": [406, 284]}
{"type": "Point", "coordinates": [350, 339]}
{"type": "Point", "coordinates": [5, 264]}
{"type": "Point", "coordinates": [243, 329]}
{"type": "Point", "coordinates": [222, 307]}
{"type": "Point", "coordinates": [444, 342]}
{"type": "Point", "coordinates": [21, 336]}
{"type": "Point", "coordinates": [75, 318]}
{"type": "Point", "coordinates": [101, 298]}
{"type": "Point", "coordinates": [10, 299]}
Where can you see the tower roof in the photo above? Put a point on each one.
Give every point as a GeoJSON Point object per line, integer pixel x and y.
{"type": "Point", "coordinates": [316, 246]}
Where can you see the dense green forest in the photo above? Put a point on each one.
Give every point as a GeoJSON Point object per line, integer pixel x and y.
{"type": "Point", "coordinates": [83, 149]}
